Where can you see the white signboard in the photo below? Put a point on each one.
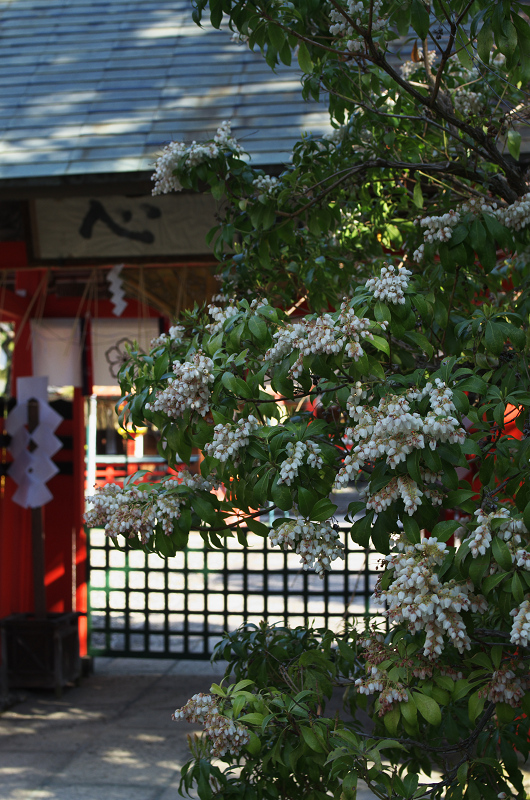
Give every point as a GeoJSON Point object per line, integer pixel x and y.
{"type": "Point", "coordinates": [117, 227]}
{"type": "Point", "coordinates": [109, 338]}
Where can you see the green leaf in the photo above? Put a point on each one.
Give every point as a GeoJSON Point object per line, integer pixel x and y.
{"type": "Point", "coordinates": [216, 14]}
{"type": "Point", "coordinates": [506, 37]}
{"type": "Point", "coordinates": [501, 234]}
{"type": "Point", "coordinates": [306, 501]}
{"type": "Point", "coordinates": [380, 344]}
{"type": "Point", "coordinates": [517, 589]}
{"type": "Point", "coordinates": [310, 739]}
{"type": "Point", "coordinates": [419, 19]}
{"type": "Point", "coordinates": [413, 465]}
{"type": "Point", "coordinates": [420, 341]}
{"type": "Point", "coordinates": [204, 510]}
{"type": "Point", "coordinates": [428, 708]}
{"type": "Point", "coordinates": [444, 530]}
{"type": "Point", "coordinates": [505, 713]}
{"type": "Point", "coordinates": [494, 338]}
{"type": "Point", "coordinates": [229, 381]}
{"type": "Point", "coordinates": [391, 719]}
{"type": "Point", "coordinates": [477, 235]}
{"type": "Point", "coordinates": [380, 533]}
{"type": "Point", "coordinates": [276, 36]}
{"type": "Point", "coordinates": [261, 489]}
{"type": "Point", "coordinates": [462, 687]}
{"type": "Point", "coordinates": [412, 529]}
{"type": "Point", "coordinates": [253, 718]}
{"type": "Point", "coordinates": [478, 567]}
{"type": "Point", "coordinates": [361, 529]}
{"type": "Point", "coordinates": [323, 510]}
{"type": "Point", "coordinates": [501, 553]}
{"type": "Point", "coordinates": [475, 706]}
{"type": "Point", "coordinates": [281, 495]}
{"type": "Point", "coordinates": [254, 745]}
{"type": "Point", "coordinates": [456, 498]}
{"type": "Point", "coordinates": [304, 59]}
{"type": "Point", "coordinates": [483, 660]}
{"type": "Point", "coordinates": [410, 711]}
{"type": "Point", "coordinates": [257, 527]}
{"type": "Point", "coordinates": [461, 774]}
{"type": "Point", "coordinates": [489, 583]}
{"type": "Point", "coordinates": [514, 144]}
{"type": "Point", "coordinates": [526, 516]}
{"type": "Point", "coordinates": [258, 327]}
{"type": "Point", "coordinates": [382, 312]}
{"type": "Point", "coordinates": [473, 384]}
{"type": "Point", "coordinates": [461, 402]}
{"type": "Point", "coordinates": [417, 195]}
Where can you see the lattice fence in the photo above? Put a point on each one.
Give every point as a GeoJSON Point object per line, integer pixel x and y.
{"type": "Point", "coordinates": [147, 606]}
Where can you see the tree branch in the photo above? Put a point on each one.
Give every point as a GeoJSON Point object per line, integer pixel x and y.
{"type": "Point", "coordinates": [233, 525]}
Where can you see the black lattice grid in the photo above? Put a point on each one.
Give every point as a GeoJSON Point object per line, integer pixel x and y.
{"type": "Point", "coordinates": [147, 606]}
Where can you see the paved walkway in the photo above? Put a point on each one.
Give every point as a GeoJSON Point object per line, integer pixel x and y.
{"type": "Point", "coordinates": [112, 738]}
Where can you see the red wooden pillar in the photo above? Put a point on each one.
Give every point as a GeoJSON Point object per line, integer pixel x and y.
{"type": "Point", "coordinates": [16, 581]}
{"type": "Point", "coordinates": [79, 545]}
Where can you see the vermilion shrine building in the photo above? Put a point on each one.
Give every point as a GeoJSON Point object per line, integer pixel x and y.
{"type": "Point", "coordinates": [89, 93]}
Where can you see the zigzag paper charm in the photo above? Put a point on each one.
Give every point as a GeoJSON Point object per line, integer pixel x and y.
{"type": "Point", "coordinates": [117, 293]}
{"type": "Point", "coordinates": [32, 452]}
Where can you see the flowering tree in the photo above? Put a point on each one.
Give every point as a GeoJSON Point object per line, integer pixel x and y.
{"type": "Point", "coordinates": [404, 237]}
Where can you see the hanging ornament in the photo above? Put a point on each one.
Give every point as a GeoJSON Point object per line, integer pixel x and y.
{"type": "Point", "coordinates": [117, 292]}
{"type": "Point", "coordinates": [33, 442]}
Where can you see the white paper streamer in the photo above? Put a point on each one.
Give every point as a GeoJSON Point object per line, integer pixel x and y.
{"type": "Point", "coordinates": [116, 290]}
{"type": "Point", "coordinates": [31, 470]}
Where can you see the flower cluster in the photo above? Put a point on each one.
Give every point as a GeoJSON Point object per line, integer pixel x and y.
{"type": "Point", "coordinates": [266, 184]}
{"type": "Point", "coordinates": [226, 735]}
{"type": "Point", "coordinates": [129, 511]}
{"type": "Point", "coordinates": [188, 389]}
{"type": "Point", "coordinates": [198, 709]}
{"type": "Point", "coordinates": [403, 486]}
{"type": "Point", "coordinates": [323, 335]}
{"type": "Point", "coordinates": [317, 543]}
{"type": "Point", "coordinates": [439, 229]}
{"type": "Point", "coordinates": [515, 216]}
{"type": "Point", "coordinates": [391, 429]}
{"type": "Point", "coordinates": [228, 439]}
{"type": "Point", "coordinates": [391, 692]}
{"type": "Point", "coordinates": [505, 686]}
{"type": "Point", "coordinates": [174, 336]}
{"type": "Point", "coordinates": [180, 155]}
{"type": "Point", "coordinates": [509, 531]}
{"type": "Point", "coordinates": [359, 12]}
{"type": "Point", "coordinates": [418, 598]}
{"type": "Point", "coordinates": [467, 102]}
{"type": "Point", "coordinates": [335, 137]}
{"type": "Point", "coordinates": [297, 451]}
{"type": "Point", "coordinates": [522, 559]}
{"type": "Point", "coordinates": [408, 68]}
{"type": "Point", "coordinates": [520, 632]}
{"type": "Point", "coordinates": [220, 310]}
{"type": "Point", "coordinates": [135, 510]}
{"type": "Point", "coordinates": [390, 285]}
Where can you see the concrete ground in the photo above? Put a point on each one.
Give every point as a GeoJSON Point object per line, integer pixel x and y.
{"type": "Point", "coordinates": [112, 738]}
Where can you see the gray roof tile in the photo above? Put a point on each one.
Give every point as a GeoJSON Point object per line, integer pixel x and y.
{"type": "Point", "coordinates": [88, 87]}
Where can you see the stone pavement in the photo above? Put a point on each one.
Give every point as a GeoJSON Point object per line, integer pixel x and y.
{"type": "Point", "coordinates": [112, 738]}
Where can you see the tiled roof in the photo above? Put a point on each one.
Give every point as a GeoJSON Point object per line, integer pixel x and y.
{"type": "Point", "coordinates": [91, 87]}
